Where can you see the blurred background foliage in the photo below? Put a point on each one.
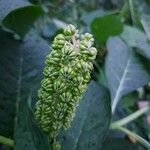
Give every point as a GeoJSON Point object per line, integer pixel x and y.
{"type": "Point", "coordinates": [120, 78]}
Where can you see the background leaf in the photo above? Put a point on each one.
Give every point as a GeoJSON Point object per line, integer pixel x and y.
{"type": "Point", "coordinates": [136, 39]}
{"type": "Point", "coordinates": [135, 16]}
{"type": "Point", "coordinates": [91, 123]}
{"type": "Point", "coordinates": [19, 81]}
{"type": "Point", "coordinates": [131, 35]}
{"type": "Point", "coordinates": [18, 22]}
{"type": "Point", "coordinates": [27, 135]}
{"type": "Point", "coordinates": [106, 26]}
{"type": "Point", "coordinates": [124, 70]}
{"type": "Point", "coordinates": [7, 6]}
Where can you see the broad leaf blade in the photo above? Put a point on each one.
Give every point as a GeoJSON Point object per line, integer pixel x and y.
{"type": "Point", "coordinates": [91, 123]}
{"type": "Point", "coordinates": [131, 35]}
{"type": "Point", "coordinates": [103, 27]}
{"type": "Point", "coordinates": [34, 50]}
{"type": "Point", "coordinates": [8, 83]}
{"type": "Point", "coordinates": [137, 39]}
{"type": "Point", "coordinates": [21, 66]}
{"type": "Point", "coordinates": [7, 6]}
{"type": "Point", "coordinates": [124, 70]}
{"type": "Point", "coordinates": [143, 48]}
{"type": "Point", "coordinates": [20, 20]}
{"type": "Point", "coordinates": [27, 135]}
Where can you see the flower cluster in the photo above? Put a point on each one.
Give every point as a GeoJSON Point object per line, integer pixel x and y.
{"type": "Point", "coordinates": [66, 74]}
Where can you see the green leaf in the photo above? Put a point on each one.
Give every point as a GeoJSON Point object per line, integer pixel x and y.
{"type": "Point", "coordinates": [7, 6]}
{"type": "Point", "coordinates": [27, 135]}
{"type": "Point", "coordinates": [131, 35]}
{"type": "Point", "coordinates": [91, 123]}
{"type": "Point", "coordinates": [20, 20]}
{"type": "Point", "coordinates": [137, 39]}
{"type": "Point", "coordinates": [143, 48]}
{"type": "Point", "coordinates": [106, 26]}
{"type": "Point", "coordinates": [135, 16]}
{"type": "Point", "coordinates": [125, 71]}
{"type": "Point", "coordinates": [21, 66]}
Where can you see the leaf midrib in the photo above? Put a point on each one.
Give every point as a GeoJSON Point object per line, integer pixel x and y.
{"type": "Point", "coordinates": [18, 97]}
{"type": "Point", "coordinates": [120, 87]}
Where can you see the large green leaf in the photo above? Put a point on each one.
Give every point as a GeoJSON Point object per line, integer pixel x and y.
{"type": "Point", "coordinates": [21, 66]}
{"type": "Point", "coordinates": [7, 6]}
{"type": "Point", "coordinates": [27, 135]}
{"type": "Point", "coordinates": [131, 35]}
{"type": "Point", "coordinates": [91, 123]}
{"type": "Point", "coordinates": [18, 16]}
{"type": "Point", "coordinates": [20, 20]}
{"type": "Point", "coordinates": [106, 26]}
{"type": "Point", "coordinates": [143, 47]}
{"type": "Point", "coordinates": [125, 71]}
{"type": "Point", "coordinates": [137, 39]}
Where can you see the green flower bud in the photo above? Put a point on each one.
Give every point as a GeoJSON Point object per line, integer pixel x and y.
{"type": "Point", "coordinates": [48, 71]}
{"type": "Point", "coordinates": [60, 37]}
{"type": "Point", "coordinates": [59, 85]}
{"type": "Point", "coordinates": [70, 30]}
{"type": "Point", "coordinates": [66, 74]}
{"type": "Point", "coordinates": [93, 51]}
{"type": "Point", "coordinates": [56, 46]}
{"type": "Point", "coordinates": [86, 40]}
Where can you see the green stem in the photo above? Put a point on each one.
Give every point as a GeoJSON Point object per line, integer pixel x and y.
{"type": "Point", "coordinates": [131, 6]}
{"type": "Point", "coordinates": [135, 136]}
{"type": "Point", "coordinates": [6, 141]}
{"type": "Point", "coordinates": [118, 125]}
{"type": "Point", "coordinates": [53, 144]}
{"type": "Point", "coordinates": [131, 117]}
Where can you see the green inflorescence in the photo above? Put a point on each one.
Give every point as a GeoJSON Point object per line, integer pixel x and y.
{"type": "Point", "coordinates": [66, 74]}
